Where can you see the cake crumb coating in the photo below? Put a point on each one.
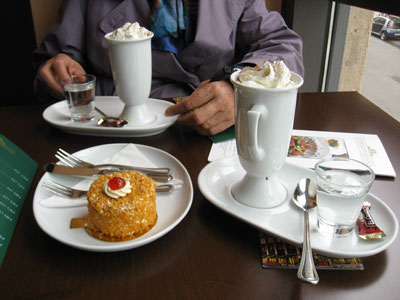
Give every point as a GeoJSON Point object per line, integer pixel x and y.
{"type": "Point", "coordinates": [126, 217]}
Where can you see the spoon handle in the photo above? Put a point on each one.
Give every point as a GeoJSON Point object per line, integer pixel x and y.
{"type": "Point", "coordinates": [307, 271]}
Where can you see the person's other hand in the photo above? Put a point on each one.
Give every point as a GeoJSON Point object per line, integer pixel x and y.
{"type": "Point", "coordinates": [210, 109]}
{"type": "Point", "coordinates": [57, 68]}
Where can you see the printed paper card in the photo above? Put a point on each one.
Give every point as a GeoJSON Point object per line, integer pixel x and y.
{"type": "Point", "coordinates": [307, 147]}
{"type": "Point", "coordinates": [17, 170]}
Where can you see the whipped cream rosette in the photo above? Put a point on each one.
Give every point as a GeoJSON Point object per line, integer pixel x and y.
{"type": "Point", "coordinates": [270, 75]}
{"type": "Point", "coordinates": [130, 31]}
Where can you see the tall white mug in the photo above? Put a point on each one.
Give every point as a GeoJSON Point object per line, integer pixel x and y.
{"type": "Point", "coordinates": [131, 67]}
{"type": "Point", "coordinates": [264, 121]}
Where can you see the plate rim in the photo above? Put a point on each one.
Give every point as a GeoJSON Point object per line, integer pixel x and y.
{"type": "Point", "coordinates": [222, 204]}
{"type": "Point", "coordinates": [126, 245]}
{"type": "Point", "coordinates": [137, 131]}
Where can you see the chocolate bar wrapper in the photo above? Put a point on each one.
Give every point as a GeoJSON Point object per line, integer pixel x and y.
{"type": "Point", "coordinates": [367, 228]}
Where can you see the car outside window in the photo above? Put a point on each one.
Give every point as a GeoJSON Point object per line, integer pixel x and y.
{"type": "Point", "coordinates": [395, 24]}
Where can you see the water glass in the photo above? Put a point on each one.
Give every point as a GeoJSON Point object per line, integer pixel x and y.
{"type": "Point", "coordinates": [342, 185]}
{"type": "Point", "coordinates": [79, 90]}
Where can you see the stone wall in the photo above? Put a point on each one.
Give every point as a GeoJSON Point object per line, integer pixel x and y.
{"type": "Point", "coordinates": [355, 50]}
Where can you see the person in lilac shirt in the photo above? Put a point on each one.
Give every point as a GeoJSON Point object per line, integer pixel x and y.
{"type": "Point", "coordinates": [218, 36]}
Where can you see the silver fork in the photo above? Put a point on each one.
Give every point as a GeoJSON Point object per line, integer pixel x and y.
{"type": "Point", "coordinates": [74, 161]}
{"type": "Point", "coordinates": [64, 191]}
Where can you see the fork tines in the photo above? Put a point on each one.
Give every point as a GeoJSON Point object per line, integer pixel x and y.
{"type": "Point", "coordinates": [62, 190]}
{"type": "Point", "coordinates": [68, 159]}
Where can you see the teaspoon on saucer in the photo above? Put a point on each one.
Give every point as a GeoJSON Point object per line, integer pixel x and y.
{"type": "Point", "coordinates": [305, 198]}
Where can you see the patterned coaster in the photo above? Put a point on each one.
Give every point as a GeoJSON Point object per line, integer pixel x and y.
{"type": "Point", "coordinates": [277, 254]}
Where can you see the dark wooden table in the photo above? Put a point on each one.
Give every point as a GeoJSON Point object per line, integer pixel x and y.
{"type": "Point", "coordinates": [209, 255]}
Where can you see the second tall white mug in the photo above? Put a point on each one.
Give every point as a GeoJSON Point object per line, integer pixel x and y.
{"type": "Point", "coordinates": [132, 69]}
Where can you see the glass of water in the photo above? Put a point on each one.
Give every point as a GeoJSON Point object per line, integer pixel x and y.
{"type": "Point", "coordinates": [342, 185]}
{"type": "Point", "coordinates": [79, 90]}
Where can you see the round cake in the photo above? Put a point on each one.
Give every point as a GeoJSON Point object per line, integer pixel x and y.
{"type": "Point", "coordinates": [121, 206]}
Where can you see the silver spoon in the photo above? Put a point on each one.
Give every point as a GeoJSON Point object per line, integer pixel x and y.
{"type": "Point", "coordinates": [108, 121]}
{"type": "Point", "coordinates": [305, 198]}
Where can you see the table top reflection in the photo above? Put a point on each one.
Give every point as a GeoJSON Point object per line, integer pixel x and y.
{"type": "Point", "coordinates": [210, 254]}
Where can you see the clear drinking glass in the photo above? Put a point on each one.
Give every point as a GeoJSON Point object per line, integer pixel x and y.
{"type": "Point", "coordinates": [342, 185]}
{"type": "Point", "coordinates": [79, 90]}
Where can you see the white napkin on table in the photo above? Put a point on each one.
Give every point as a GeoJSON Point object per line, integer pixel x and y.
{"type": "Point", "coordinates": [129, 155]}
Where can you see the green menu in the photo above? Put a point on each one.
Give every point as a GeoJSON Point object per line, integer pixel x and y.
{"type": "Point", "coordinates": [17, 170]}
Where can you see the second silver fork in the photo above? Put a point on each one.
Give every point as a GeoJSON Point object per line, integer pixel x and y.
{"type": "Point", "coordinates": [64, 191]}
{"type": "Point", "coordinates": [74, 161]}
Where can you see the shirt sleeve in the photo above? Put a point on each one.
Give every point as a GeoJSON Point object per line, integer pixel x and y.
{"type": "Point", "coordinates": [264, 35]}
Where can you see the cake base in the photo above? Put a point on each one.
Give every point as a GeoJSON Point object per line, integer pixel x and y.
{"type": "Point", "coordinates": [96, 233]}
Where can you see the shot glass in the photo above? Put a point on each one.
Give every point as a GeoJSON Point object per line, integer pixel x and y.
{"type": "Point", "coordinates": [342, 185]}
{"type": "Point", "coordinates": [79, 90]}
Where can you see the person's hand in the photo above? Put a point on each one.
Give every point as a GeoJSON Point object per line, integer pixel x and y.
{"type": "Point", "coordinates": [57, 68]}
{"type": "Point", "coordinates": [210, 109]}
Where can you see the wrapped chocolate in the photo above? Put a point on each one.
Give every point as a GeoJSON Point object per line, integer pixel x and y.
{"type": "Point", "coordinates": [368, 230]}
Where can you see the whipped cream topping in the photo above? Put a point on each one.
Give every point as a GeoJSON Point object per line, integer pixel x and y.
{"type": "Point", "coordinates": [130, 31]}
{"type": "Point", "coordinates": [122, 192]}
{"type": "Point", "coordinates": [275, 75]}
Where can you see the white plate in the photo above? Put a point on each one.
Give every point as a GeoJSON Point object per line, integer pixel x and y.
{"type": "Point", "coordinates": [286, 221]}
{"type": "Point", "coordinates": [171, 208]}
{"type": "Point", "coordinates": [58, 116]}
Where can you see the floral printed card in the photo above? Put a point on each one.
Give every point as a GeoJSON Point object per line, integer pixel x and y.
{"type": "Point", "coordinates": [307, 147]}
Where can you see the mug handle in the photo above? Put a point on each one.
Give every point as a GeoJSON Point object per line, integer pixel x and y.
{"type": "Point", "coordinates": [253, 117]}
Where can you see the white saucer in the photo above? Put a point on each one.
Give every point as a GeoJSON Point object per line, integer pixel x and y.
{"type": "Point", "coordinates": [286, 221]}
{"type": "Point", "coordinates": [171, 208]}
{"type": "Point", "coordinates": [58, 116]}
